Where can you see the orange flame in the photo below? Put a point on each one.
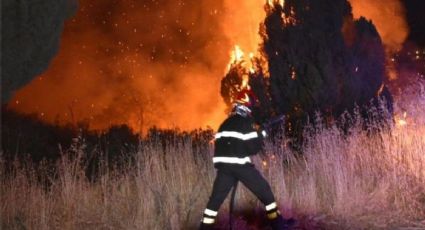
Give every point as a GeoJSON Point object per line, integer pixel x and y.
{"type": "Point", "coordinates": [245, 80]}
{"type": "Point", "coordinates": [236, 56]}
{"type": "Point", "coordinates": [110, 71]}
{"type": "Point", "coordinates": [273, 2]}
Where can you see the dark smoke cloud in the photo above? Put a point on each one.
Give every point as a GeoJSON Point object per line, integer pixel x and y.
{"type": "Point", "coordinates": [31, 33]}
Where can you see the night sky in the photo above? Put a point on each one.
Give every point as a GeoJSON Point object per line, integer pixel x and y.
{"type": "Point", "coordinates": [415, 12]}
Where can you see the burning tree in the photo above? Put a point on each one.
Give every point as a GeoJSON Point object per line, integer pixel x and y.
{"type": "Point", "coordinates": [317, 58]}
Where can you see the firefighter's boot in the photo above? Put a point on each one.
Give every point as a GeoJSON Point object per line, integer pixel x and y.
{"type": "Point", "coordinates": [206, 226]}
{"type": "Point", "coordinates": [280, 223]}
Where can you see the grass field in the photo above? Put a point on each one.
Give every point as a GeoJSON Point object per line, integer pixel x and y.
{"type": "Point", "coordinates": [354, 181]}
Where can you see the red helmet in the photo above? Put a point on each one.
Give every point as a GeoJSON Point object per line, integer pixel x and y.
{"type": "Point", "coordinates": [247, 98]}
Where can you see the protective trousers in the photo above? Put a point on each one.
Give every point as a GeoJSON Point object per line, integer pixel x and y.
{"type": "Point", "coordinates": [227, 176]}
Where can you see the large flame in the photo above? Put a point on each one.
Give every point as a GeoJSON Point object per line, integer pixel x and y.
{"type": "Point", "coordinates": [148, 64]}
{"type": "Point", "coordinates": [136, 63]}
{"type": "Point", "coordinates": [143, 64]}
{"type": "Point", "coordinates": [241, 23]}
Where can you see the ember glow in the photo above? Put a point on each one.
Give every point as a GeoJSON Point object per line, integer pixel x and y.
{"type": "Point", "coordinates": [159, 63]}
{"type": "Point", "coordinates": [401, 120]}
{"type": "Point", "coordinates": [136, 63]}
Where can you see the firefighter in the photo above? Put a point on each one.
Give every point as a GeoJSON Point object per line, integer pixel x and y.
{"type": "Point", "coordinates": [236, 140]}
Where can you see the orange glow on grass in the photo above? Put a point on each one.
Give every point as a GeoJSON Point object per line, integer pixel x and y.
{"type": "Point", "coordinates": [401, 120]}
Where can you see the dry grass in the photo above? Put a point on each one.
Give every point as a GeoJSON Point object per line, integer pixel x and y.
{"type": "Point", "coordinates": [356, 181]}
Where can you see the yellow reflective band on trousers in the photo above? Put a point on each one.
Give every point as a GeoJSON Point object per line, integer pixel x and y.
{"type": "Point", "coordinates": [272, 215]}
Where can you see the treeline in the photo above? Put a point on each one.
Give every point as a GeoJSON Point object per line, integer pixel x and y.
{"type": "Point", "coordinates": [26, 138]}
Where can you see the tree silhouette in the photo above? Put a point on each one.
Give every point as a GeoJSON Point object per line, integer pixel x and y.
{"type": "Point", "coordinates": [319, 59]}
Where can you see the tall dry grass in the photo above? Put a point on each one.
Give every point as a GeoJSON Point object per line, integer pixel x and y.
{"type": "Point", "coordinates": [362, 180]}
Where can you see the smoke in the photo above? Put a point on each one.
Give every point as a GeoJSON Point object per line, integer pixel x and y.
{"type": "Point", "coordinates": [151, 63]}
{"type": "Point", "coordinates": [30, 38]}
{"type": "Point", "coordinates": [389, 18]}
{"type": "Point", "coordinates": [241, 23]}
{"type": "Point", "coordinates": [141, 63]}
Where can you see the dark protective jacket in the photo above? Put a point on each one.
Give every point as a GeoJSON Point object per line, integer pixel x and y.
{"type": "Point", "coordinates": [236, 140]}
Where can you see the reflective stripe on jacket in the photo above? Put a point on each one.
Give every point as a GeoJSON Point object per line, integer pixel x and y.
{"type": "Point", "coordinates": [236, 140]}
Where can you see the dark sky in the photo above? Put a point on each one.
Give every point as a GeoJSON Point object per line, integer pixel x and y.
{"type": "Point", "coordinates": [415, 12]}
